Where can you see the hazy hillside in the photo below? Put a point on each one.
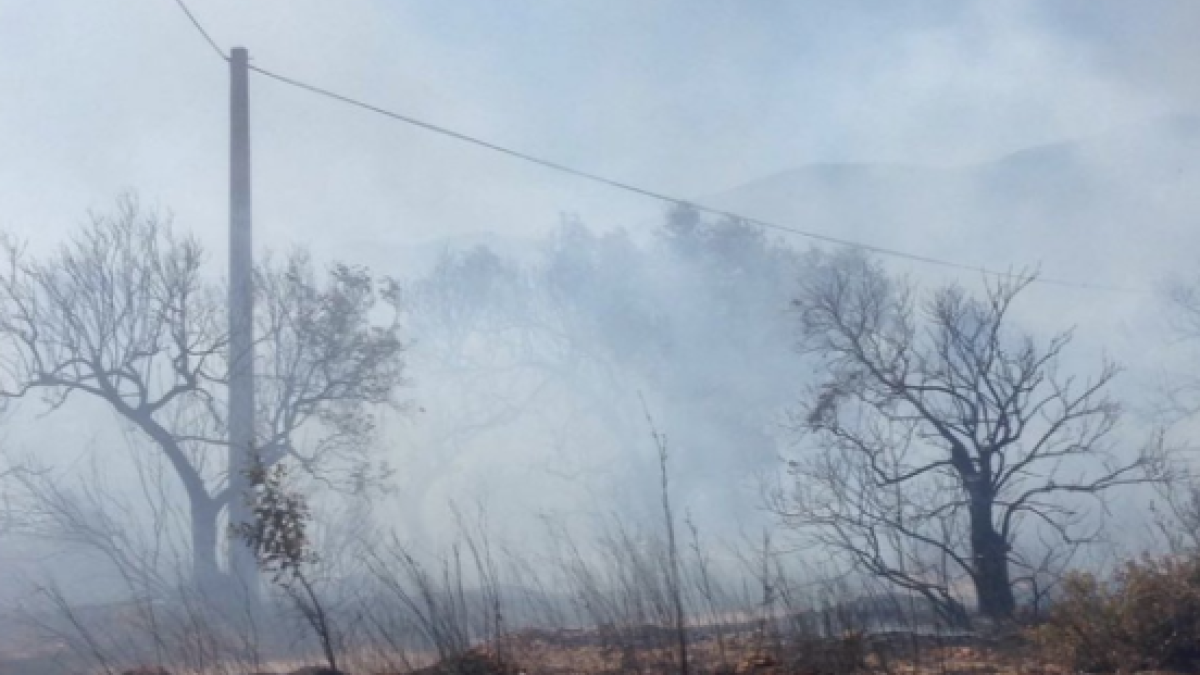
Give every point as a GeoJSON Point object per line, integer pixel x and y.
{"type": "Point", "coordinates": [1113, 209]}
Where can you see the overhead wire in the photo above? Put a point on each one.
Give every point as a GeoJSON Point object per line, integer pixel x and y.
{"type": "Point", "coordinates": [645, 192]}
{"type": "Point", "coordinates": [200, 28]}
{"type": "Point", "coordinates": [653, 194]}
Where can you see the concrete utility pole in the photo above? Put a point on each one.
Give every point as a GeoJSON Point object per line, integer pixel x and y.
{"type": "Point", "coordinates": [242, 564]}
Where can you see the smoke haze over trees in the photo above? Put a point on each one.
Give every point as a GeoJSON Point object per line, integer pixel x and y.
{"type": "Point", "coordinates": [889, 314]}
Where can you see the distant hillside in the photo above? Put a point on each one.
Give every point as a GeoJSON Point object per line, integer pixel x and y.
{"type": "Point", "coordinates": [1118, 209]}
{"type": "Point", "coordinates": [1114, 209]}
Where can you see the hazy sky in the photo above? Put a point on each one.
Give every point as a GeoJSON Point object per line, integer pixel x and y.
{"type": "Point", "coordinates": [690, 97]}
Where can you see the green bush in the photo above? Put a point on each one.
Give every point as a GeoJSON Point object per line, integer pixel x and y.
{"type": "Point", "coordinates": [1147, 617]}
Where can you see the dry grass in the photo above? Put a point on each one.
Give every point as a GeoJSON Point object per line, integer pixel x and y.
{"type": "Point", "coordinates": [587, 653]}
{"type": "Point", "coordinates": [595, 652]}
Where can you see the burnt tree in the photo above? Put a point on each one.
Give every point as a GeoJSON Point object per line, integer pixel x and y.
{"type": "Point", "coordinates": [941, 433]}
{"type": "Point", "coordinates": [123, 313]}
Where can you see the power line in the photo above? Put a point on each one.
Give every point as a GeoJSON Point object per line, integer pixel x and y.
{"type": "Point", "coordinates": [203, 33]}
{"type": "Point", "coordinates": [628, 187]}
{"type": "Point", "coordinates": [652, 194]}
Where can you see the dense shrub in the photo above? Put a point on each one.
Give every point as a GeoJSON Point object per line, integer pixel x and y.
{"type": "Point", "coordinates": [1146, 617]}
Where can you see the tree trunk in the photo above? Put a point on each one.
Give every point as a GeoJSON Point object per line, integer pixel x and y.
{"type": "Point", "coordinates": [989, 552]}
{"type": "Point", "coordinates": [205, 511]}
{"type": "Point", "coordinates": [206, 572]}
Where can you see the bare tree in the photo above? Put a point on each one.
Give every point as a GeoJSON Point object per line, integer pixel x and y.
{"type": "Point", "coordinates": [1177, 514]}
{"type": "Point", "coordinates": [124, 314]}
{"type": "Point", "coordinates": [941, 434]}
{"type": "Point", "coordinates": [1182, 394]}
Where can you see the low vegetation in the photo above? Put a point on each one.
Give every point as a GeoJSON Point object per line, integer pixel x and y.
{"type": "Point", "coordinates": [1145, 617]}
{"type": "Point", "coordinates": [439, 617]}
